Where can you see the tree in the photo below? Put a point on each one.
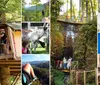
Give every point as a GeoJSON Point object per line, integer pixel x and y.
{"type": "Point", "coordinates": [10, 11]}
{"type": "Point", "coordinates": [57, 38]}
{"type": "Point", "coordinates": [36, 12]}
{"type": "Point", "coordinates": [86, 44]}
{"type": "Point", "coordinates": [55, 6]}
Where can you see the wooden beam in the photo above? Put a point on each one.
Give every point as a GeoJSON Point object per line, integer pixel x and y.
{"type": "Point", "coordinates": [16, 79]}
{"type": "Point", "coordinates": [10, 63]}
{"type": "Point", "coordinates": [71, 23]}
{"type": "Point", "coordinates": [15, 70]}
{"type": "Point", "coordinates": [84, 77]}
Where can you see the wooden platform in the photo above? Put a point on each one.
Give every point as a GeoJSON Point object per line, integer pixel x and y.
{"type": "Point", "coordinates": [14, 65]}
{"type": "Point", "coordinates": [67, 71]}
{"type": "Point", "coordinates": [68, 22]}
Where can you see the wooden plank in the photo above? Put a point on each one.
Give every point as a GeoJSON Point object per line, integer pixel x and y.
{"type": "Point", "coordinates": [66, 71]}
{"type": "Point", "coordinates": [9, 63]}
{"type": "Point", "coordinates": [76, 78]}
{"type": "Point", "coordinates": [15, 70]}
{"type": "Point", "coordinates": [84, 77]}
{"type": "Point", "coordinates": [15, 67]}
{"type": "Point", "coordinates": [16, 79]}
{"type": "Point", "coordinates": [72, 23]}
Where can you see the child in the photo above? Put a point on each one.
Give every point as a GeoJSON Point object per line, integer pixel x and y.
{"type": "Point", "coordinates": [69, 63]}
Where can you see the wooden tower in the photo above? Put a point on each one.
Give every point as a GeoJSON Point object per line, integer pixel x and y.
{"type": "Point", "coordinates": [10, 64]}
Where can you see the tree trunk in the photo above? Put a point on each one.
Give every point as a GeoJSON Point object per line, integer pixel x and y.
{"type": "Point", "coordinates": [82, 11]}
{"type": "Point", "coordinates": [92, 8]}
{"type": "Point", "coordinates": [5, 75]}
{"type": "Point", "coordinates": [70, 8]}
{"type": "Point", "coordinates": [86, 10]}
{"type": "Point", "coordinates": [3, 18]}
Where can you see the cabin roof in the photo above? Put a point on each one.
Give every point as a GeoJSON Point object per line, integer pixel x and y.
{"type": "Point", "coordinates": [13, 26]}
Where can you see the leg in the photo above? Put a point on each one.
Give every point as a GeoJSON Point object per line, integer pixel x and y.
{"type": "Point", "coordinates": [29, 69]}
{"type": "Point", "coordinates": [35, 46]}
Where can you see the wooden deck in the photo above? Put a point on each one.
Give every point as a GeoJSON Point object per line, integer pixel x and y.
{"type": "Point", "coordinates": [14, 65]}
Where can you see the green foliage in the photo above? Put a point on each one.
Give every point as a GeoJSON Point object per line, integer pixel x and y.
{"type": "Point", "coordinates": [57, 40]}
{"type": "Point", "coordinates": [58, 77]}
{"type": "Point", "coordinates": [12, 8]}
{"type": "Point", "coordinates": [55, 6]}
{"type": "Point", "coordinates": [34, 15]}
{"type": "Point", "coordinates": [91, 78]}
{"type": "Point", "coordinates": [12, 79]}
{"type": "Point", "coordinates": [86, 44]}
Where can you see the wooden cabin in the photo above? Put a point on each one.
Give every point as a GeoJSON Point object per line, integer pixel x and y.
{"type": "Point", "coordinates": [10, 64]}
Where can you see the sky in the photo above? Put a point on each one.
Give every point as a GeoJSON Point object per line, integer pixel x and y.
{"type": "Point", "coordinates": [35, 57]}
{"type": "Point", "coordinates": [64, 7]}
{"type": "Point", "coordinates": [42, 1]}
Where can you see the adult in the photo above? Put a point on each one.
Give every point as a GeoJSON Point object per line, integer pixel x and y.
{"type": "Point", "coordinates": [69, 63]}
{"type": "Point", "coordinates": [61, 63]}
{"type": "Point", "coordinates": [64, 62]}
{"type": "Point", "coordinates": [28, 74]}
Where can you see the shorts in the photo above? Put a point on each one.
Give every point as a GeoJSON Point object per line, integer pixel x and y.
{"type": "Point", "coordinates": [28, 77]}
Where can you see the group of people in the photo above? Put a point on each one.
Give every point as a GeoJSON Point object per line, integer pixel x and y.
{"type": "Point", "coordinates": [64, 64]}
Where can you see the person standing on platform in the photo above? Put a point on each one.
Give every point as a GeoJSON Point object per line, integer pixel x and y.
{"type": "Point", "coordinates": [69, 63]}
{"type": "Point", "coordinates": [64, 62]}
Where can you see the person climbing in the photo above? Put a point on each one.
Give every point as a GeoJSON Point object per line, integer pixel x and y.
{"type": "Point", "coordinates": [61, 63]}
{"type": "Point", "coordinates": [28, 74]}
{"type": "Point", "coordinates": [64, 63]}
{"type": "Point", "coordinates": [57, 65]}
{"type": "Point", "coordinates": [69, 63]}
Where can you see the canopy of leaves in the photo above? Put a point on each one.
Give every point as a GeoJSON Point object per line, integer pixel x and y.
{"type": "Point", "coordinates": [55, 9]}
{"type": "Point", "coordinates": [85, 45]}
{"type": "Point", "coordinates": [57, 40]}
{"type": "Point", "coordinates": [12, 9]}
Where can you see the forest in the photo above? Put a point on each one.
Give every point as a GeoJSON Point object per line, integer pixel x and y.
{"type": "Point", "coordinates": [74, 34]}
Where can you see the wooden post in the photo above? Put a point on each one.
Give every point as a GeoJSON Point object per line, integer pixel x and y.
{"type": "Point", "coordinates": [76, 78]}
{"type": "Point", "coordinates": [5, 75]}
{"type": "Point", "coordinates": [70, 75]}
{"type": "Point", "coordinates": [84, 77]}
{"type": "Point", "coordinates": [96, 77]}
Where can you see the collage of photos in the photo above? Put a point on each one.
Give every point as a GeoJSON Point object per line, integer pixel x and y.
{"type": "Point", "coordinates": [35, 42]}
{"type": "Point", "coordinates": [10, 42]}
{"type": "Point", "coordinates": [49, 42]}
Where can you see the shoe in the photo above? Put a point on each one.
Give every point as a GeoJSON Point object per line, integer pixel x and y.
{"type": "Point", "coordinates": [35, 78]}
